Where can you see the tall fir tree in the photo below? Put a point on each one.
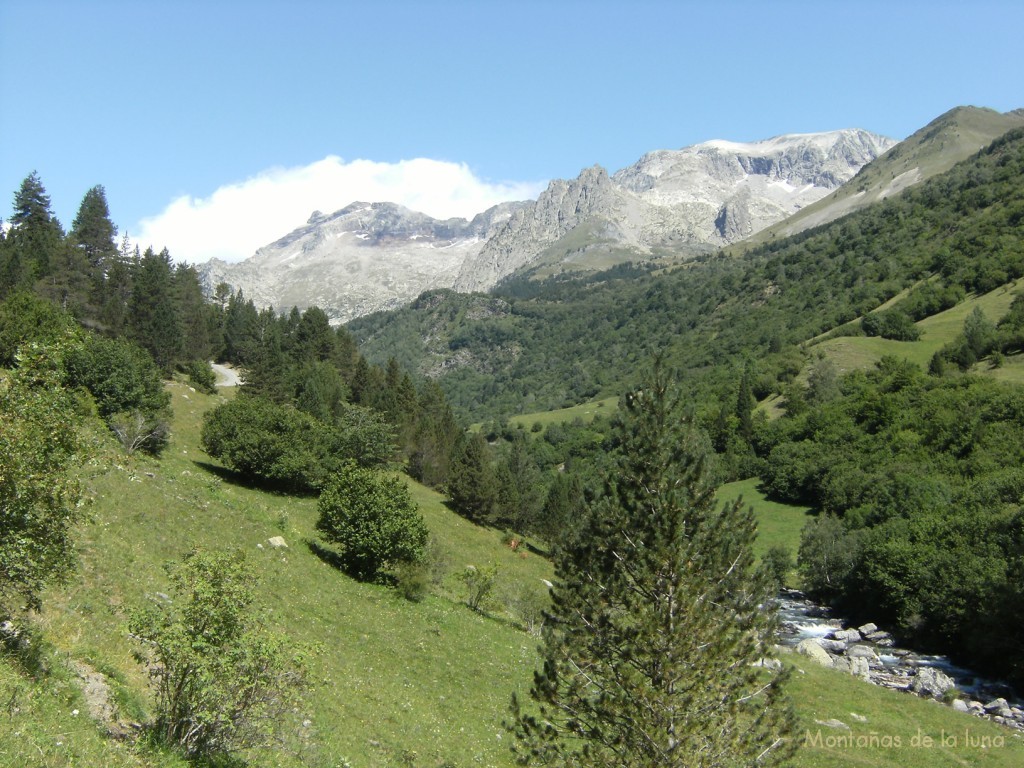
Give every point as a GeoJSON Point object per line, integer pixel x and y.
{"type": "Point", "coordinates": [117, 288]}
{"type": "Point", "coordinates": [745, 403]}
{"type": "Point", "coordinates": [657, 619]}
{"type": "Point", "coordinates": [153, 309]}
{"type": "Point", "coordinates": [267, 366]}
{"type": "Point", "coordinates": [92, 231]}
{"type": "Point", "coordinates": [92, 241]}
{"type": "Point", "coordinates": [194, 314]}
{"type": "Point", "coordinates": [241, 330]}
{"type": "Point", "coordinates": [435, 437]}
{"type": "Point", "coordinates": [472, 485]}
{"type": "Point", "coordinates": [34, 240]}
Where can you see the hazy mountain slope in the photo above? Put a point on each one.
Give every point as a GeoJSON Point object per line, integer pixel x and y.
{"type": "Point", "coordinates": [671, 202]}
{"type": "Point", "coordinates": [363, 258]}
{"type": "Point", "coordinates": [936, 148]}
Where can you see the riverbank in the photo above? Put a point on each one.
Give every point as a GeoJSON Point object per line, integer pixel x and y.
{"type": "Point", "coordinates": [871, 654]}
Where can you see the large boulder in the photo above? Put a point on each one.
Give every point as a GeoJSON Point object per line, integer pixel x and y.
{"type": "Point", "coordinates": [856, 666]}
{"type": "Point", "coordinates": [931, 682]}
{"type": "Point", "coordinates": [847, 635]}
{"type": "Point", "coordinates": [833, 646]}
{"type": "Point", "coordinates": [862, 652]}
{"type": "Point", "coordinates": [812, 648]}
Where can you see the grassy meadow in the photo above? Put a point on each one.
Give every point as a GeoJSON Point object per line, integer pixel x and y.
{"type": "Point", "coordinates": [395, 683]}
{"type": "Point", "coordinates": [585, 412]}
{"type": "Point", "coordinates": [850, 353]}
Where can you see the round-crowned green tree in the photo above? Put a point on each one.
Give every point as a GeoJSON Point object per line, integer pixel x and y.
{"type": "Point", "coordinates": [372, 518]}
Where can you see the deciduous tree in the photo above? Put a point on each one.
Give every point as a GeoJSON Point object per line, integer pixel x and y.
{"type": "Point", "coordinates": [39, 495]}
{"type": "Point", "coordinates": [371, 516]}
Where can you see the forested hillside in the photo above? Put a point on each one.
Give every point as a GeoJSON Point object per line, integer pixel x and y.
{"type": "Point", "coordinates": [537, 346]}
{"type": "Point", "coordinates": [913, 471]}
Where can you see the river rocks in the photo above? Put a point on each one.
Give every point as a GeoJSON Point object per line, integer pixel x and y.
{"type": "Point", "coordinates": [931, 682]}
{"type": "Point", "coordinates": [832, 646]}
{"type": "Point", "coordinates": [847, 635]}
{"type": "Point", "coordinates": [879, 638]}
{"type": "Point", "coordinates": [870, 653]}
{"type": "Point", "coordinates": [995, 705]}
{"type": "Point", "coordinates": [858, 667]}
{"type": "Point", "coordinates": [862, 652]}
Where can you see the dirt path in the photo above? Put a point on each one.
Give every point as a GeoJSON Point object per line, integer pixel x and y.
{"type": "Point", "coordinates": [98, 699]}
{"type": "Point", "coordinates": [226, 377]}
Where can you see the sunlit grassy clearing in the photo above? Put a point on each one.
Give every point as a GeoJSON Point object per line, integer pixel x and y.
{"type": "Point", "coordinates": [860, 352]}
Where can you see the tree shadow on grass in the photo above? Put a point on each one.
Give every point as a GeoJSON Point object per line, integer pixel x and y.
{"type": "Point", "coordinates": [335, 560]}
{"type": "Point", "coordinates": [241, 480]}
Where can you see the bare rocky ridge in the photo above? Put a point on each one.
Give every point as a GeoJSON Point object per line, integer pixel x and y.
{"type": "Point", "coordinates": [363, 258]}
{"type": "Point", "coordinates": [679, 201]}
{"type": "Point", "coordinates": [669, 204]}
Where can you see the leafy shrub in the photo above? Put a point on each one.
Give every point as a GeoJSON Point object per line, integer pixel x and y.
{"type": "Point", "coordinates": [891, 324]}
{"type": "Point", "coordinates": [273, 443]}
{"type": "Point", "coordinates": [374, 520]}
{"type": "Point", "coordinates": [139, 433]}
{"type": "Point", "coordinates": [828, 553]}
{"type": "Point", "coordinates": [479, 584]}
{"type": "Point", "coordinates": [778, 561]}
{"type": "Point", "coordinates": [127, 388]}
{"type": "Point", "coordinates": [223, 681]}
{"type": "Point", "coordinates": [25, 318]}
{"type": "Point", "coordinates": [39, 494]}
{"type": "Point", "coordinates": [201, 376]}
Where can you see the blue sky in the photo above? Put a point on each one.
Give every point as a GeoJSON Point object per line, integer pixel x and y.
{"type": "Point", "coordinates": [218, 126]}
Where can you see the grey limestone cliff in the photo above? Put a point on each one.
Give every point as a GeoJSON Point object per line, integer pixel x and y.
{"type": "Point", "coordinates": [669, 204]}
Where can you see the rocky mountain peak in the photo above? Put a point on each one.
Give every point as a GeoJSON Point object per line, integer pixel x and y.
{"type": "Point", "coordinates": [699, 197]}
{"type": "Point", "coordinates": [370, 256]}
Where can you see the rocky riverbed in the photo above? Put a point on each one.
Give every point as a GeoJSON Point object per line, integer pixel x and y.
{"type": "Point", "coordinates": [872, 654]}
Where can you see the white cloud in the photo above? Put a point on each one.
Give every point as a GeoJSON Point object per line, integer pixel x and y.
{"type": "Point", "coordinates": [238, 218]}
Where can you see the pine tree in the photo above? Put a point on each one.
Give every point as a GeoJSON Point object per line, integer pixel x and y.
{"type": "Point", "coordinates": [267, 373]}
{"type": "Point", "coordinates": [35, 238]}
{"type": "Point", "coordinates": [745, 403]}
{"type": "Point", "coordinates": [117, 288]}
{"type": "Point", "coordinates": [241, 330]}
{"type": "Point", "coordinates": [153, 311]}
{"type": "Point", "coordinates": [313, 338]}
{"type": "Point", "coordinates": [520, 488]}
{"type": "Point", "coordinates": [472, 485]}
{"type": "Point", "coordinates": [92, 231]}
{"type": "Point", "coordinates": [194, 314]}
{"type": "Point", "coordinates": [657, 619]}
{"type": "Point", "coordinates": [435, 437]}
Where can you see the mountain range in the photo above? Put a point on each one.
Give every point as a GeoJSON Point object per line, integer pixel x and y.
{"type": "Point", "coordinates": [669, 205]}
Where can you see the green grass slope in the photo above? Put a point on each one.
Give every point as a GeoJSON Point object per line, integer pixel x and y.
{"type": "Point", "coordinates": [778, 525]}
{"type": "Point", "coordinates": [859, 352]}
{"type": "Point", "coordinates": [396, 683]}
